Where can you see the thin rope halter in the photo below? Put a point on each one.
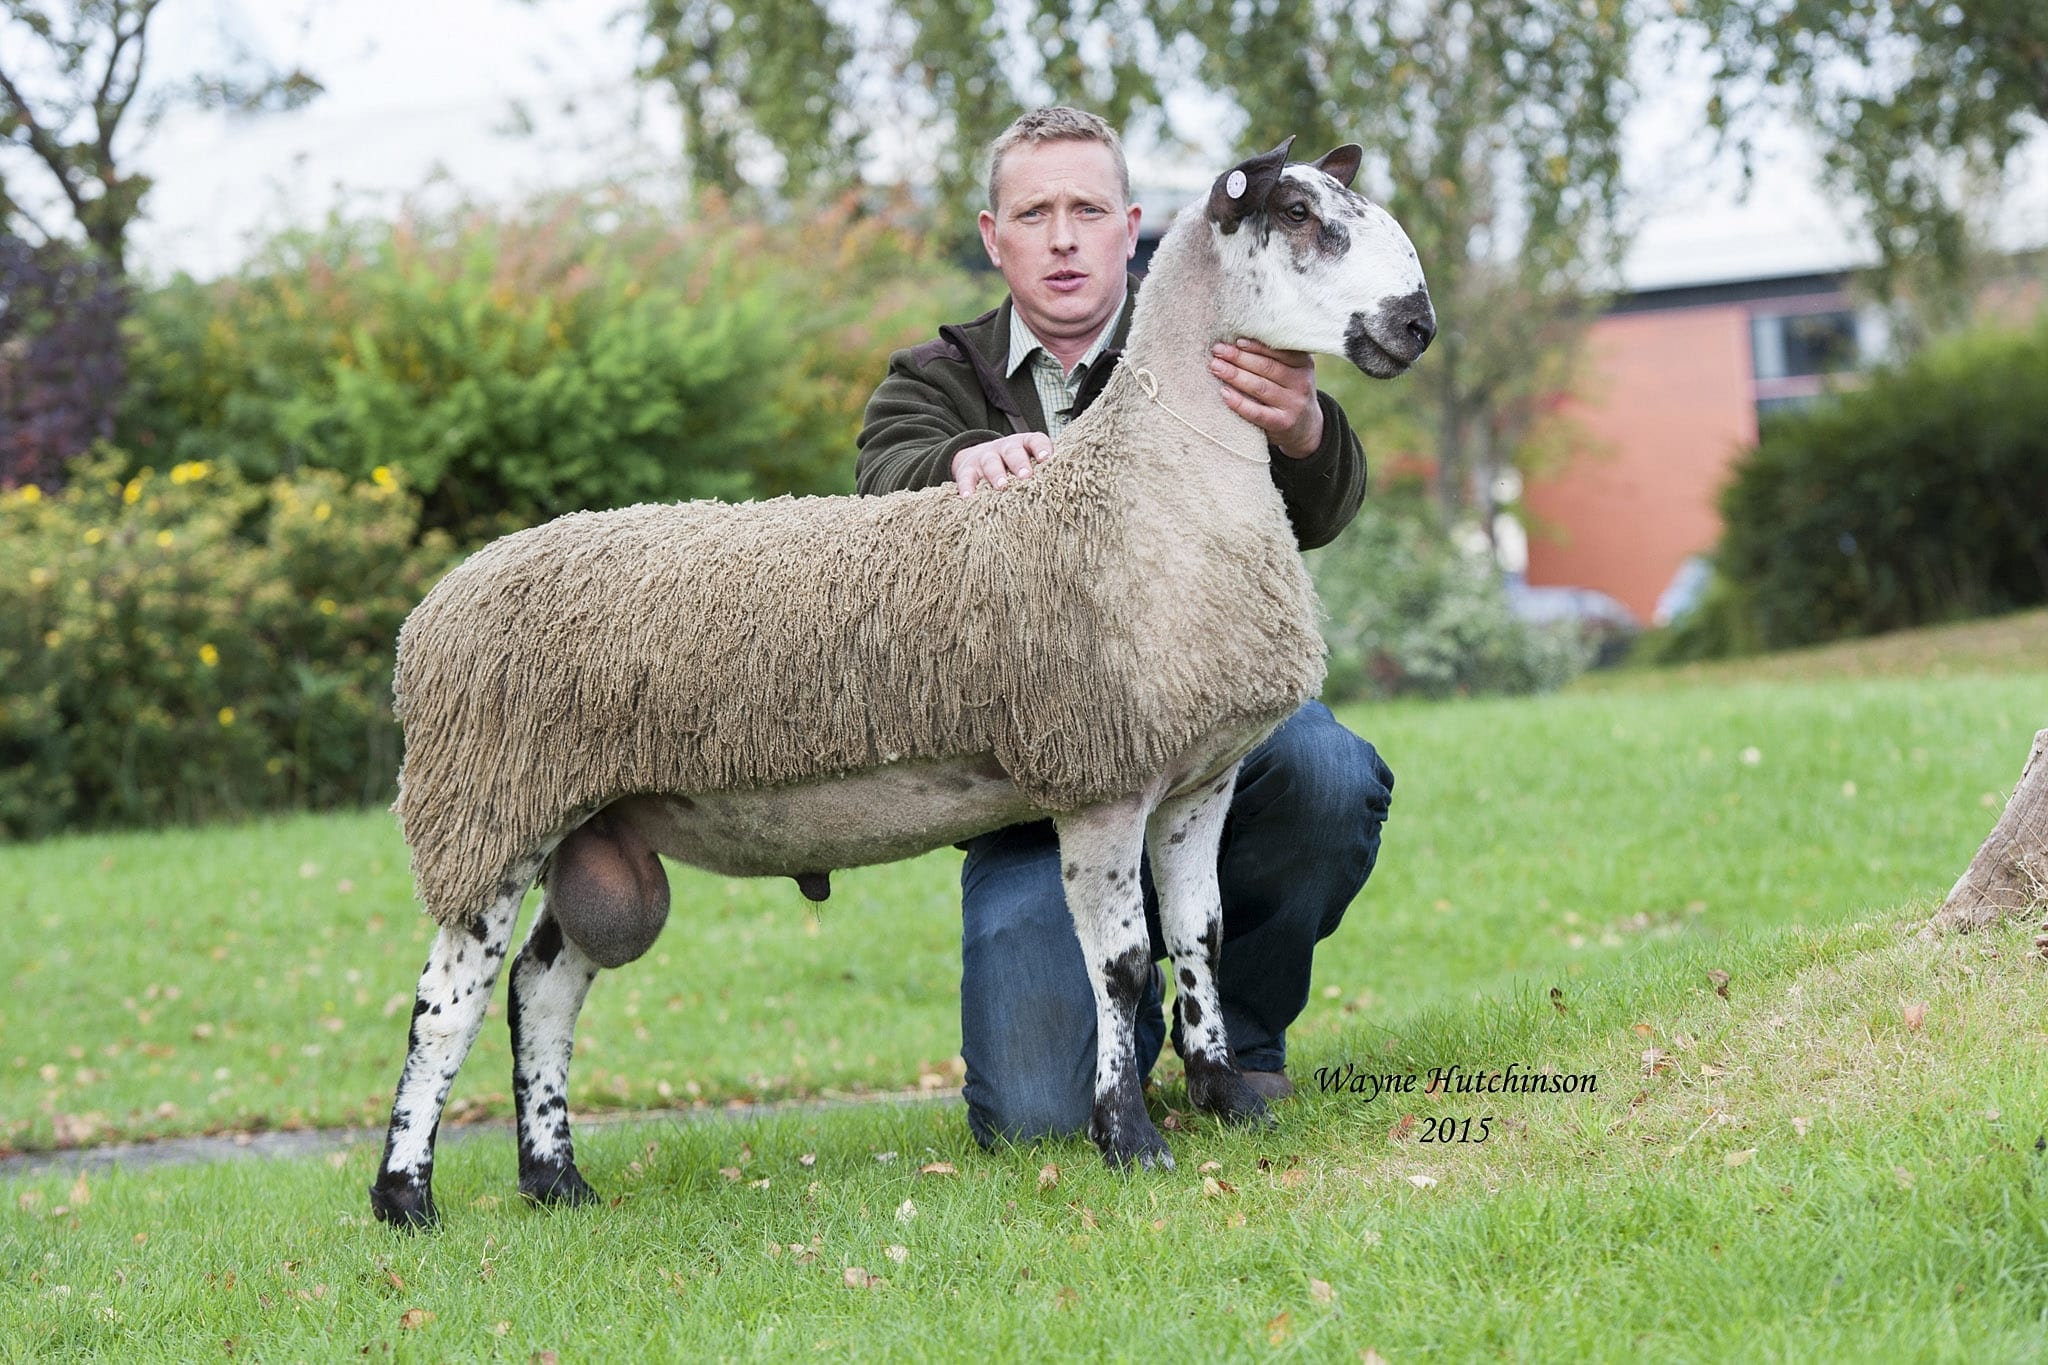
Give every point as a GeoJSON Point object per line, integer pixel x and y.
{"type": "Point", "coordinates": [1150, 384]}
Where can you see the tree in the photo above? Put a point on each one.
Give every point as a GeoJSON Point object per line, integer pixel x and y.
{"type": "Point", "coordinates": [70, 76]}
{"type": "Point", "coordinates": [1495, 125]}
{"type": "Point", "coordinates": [1916, 102]}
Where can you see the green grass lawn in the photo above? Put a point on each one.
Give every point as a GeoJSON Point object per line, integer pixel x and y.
{"type": "Point", "coordinates": [1844, 1154]}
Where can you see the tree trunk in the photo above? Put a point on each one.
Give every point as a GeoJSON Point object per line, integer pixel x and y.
{"type": "Point", "coordinates": [2009, 875]}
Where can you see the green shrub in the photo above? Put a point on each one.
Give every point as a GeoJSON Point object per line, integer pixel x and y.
{"type": "Point", "coordinates": [1916, 498]}
{"type": "Point", "coordinates": [1407, 612]}
{"type": "Point", "coordinates": [188, 644]}
{"type": "Point", "coordinates": [513, 368]}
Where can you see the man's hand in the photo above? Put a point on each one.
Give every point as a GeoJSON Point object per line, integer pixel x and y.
{"type": "Point", "coordinates": [1274, 391]}
{"type": "Point", "coordinates": [995, 462]}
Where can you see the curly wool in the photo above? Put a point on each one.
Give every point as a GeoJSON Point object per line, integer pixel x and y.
{"type": "Point", "coordinates": [1084, 627]}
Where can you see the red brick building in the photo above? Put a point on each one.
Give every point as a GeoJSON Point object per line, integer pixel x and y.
{"type": "Point", "coordinates": [1673, 385]}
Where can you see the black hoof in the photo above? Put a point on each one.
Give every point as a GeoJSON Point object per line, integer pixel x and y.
{"type": "Point", "coordinates": [556, 1185]}
{"type": "Point", "coordinates": [407, 1205]}
{"type": "Point", "coordinates": [1131, 1140]}
{"type": "Point", "coordinates": [1222, 1091]}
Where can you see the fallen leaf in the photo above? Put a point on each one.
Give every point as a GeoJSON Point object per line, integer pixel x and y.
{"type": "Point", "coordinates": [1720, 980]}
{"type": "Point", "coordinates": [1211, 1187]}
{"type": "Point", "coordinates": [1655, 1060]}
{"type": "Point", "coordinates": [413, 1319]}
{"type": "Point", "coordinates": [1368, 1356]}
{"type": "Point", "coordinates": [885, 1157]}
{"type": "Point", "coordinates": [1048, 1176]}
{"type": "Point", "coordinates": [1236, 1220]}
{"type": "Point", "coordinates": [1209, 1167]}
{"type": "Point", "coordinates": [1914, 1012]}
{"type": "Point", "coordinates": [1712, 1072]}
{"type": "Point", "coordinates": [730, 1172]}
{"type": "Point", "coordinates": [1905, 1177]}
{"type": "Point", "coordinates": [1422, 1182]}
{"type": "Point", "coordinates": [1278, 1328]}
{"type": "Point", "coordinates": [857, 1278]}
{"type": "Point", "coordinates": [544, 1358]}
{"type": "Point", "coordinates": [1643, 1030]}
{"type": "Point", "coordinates": [501, 1327]}
{"type": "Point", "coordinates": [1087, 1214]}
{"type": "Point", "coordinates": [760, 1184]}
{"type": "Point", "coordinates": [1066, 1298]}
{"type": "Point", "coordinates": [807, 1159]}
{"type": "Point", "coordinates": [1292, 1178]}
{"type": "Point", "coordinates": [937, 1168]}
{"type": "Point", "coordinates": [1320, 1290]}
{"type": "Point", "coordinates": [1741, 1158]}
{"type": "Point", "coordinates": [1800, 1123]}
{"type": "Point", "coordinates": [1400, 1131]}
{"type": "Point", "coordinates": [1557, 999]}
{"type": "Point", "coordinates": [906, 1211]}
{"type": "Point", "coordinates": [898, 1253]}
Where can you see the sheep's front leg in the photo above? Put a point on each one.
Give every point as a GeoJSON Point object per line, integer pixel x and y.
{"type": "Point", "coordinates": [1099, 852]}
{"type": "Point", "coordinates": [447, 1011]}
{"type": "Point", "coordinates": [550, 978]}
{"type": "Point", "coordinates": [1182, 837]}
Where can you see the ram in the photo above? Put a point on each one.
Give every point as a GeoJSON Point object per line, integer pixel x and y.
{"type": "Point", "coordinates": [789, 687]}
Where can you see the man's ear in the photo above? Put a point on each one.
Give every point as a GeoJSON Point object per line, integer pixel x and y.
{"type": "Point", "coordinates": [1242, 190]}
{"type": "Point", "coordinates": [1341, 163]}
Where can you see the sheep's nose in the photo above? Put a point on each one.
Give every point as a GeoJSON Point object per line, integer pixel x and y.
{"type": "Point", "coordinates": [1413, 319]}
{"type": "Point", "coordinates": [1423, 329]}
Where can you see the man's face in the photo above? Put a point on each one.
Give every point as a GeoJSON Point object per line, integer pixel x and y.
{"type": "Point", "coordinates": [1060, 234]}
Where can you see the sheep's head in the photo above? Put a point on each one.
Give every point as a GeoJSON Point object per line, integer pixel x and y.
{"type": "Point", "coordinates": [1315, 266]}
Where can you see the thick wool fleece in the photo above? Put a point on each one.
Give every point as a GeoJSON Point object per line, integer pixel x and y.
{"type": "Point", "coordinates": [1085, 627]}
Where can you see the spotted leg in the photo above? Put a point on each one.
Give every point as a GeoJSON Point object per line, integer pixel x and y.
{"type": "Point", "coordinates": [1099, 852]}
{"type": "Point", "coordinates": [550, 978]}
{"type": "Point", "coordinates": [454, 988]}
{"type": "Point", "coordinates": [1182, 838]}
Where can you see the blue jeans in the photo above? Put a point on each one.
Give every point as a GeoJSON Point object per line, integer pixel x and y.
{"type": "Point", "coordinates": [1300, 841]}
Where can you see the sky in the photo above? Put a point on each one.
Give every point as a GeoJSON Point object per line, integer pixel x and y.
{"type": "Point", "coordinates": [419, 105]}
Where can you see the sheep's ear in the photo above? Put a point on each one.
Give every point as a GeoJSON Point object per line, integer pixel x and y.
{"type": "Point", "coordinates": [1242, 190]}
{"type": "Point", "coordinates": [1341, 163]}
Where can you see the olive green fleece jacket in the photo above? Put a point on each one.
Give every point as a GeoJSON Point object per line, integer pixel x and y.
{"type": "Point", "coordinates": [950, 393]}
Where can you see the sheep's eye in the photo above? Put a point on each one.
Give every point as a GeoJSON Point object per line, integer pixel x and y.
{"type": "Point", "coordinates": [1297, 213]}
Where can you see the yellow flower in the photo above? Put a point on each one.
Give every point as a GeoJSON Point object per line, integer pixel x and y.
{"type": "Point", "coordinates": [38, 576]}
{"type": "Point", "coordinates": [132, 492]}
{"type": "Point", "coordinates": [274, 766]}
{"type": "Point", "coordinates": [164, 538]}
{"type": "Point", "coordinates": [94, 535]}
{"type": "Point", "coordinates": [53, 639]}
{"type": "Point", "coordinates": [209, 656]}
{"type": "Point", "coordinates": [381, 476]}
{"type": "Point", "coordinates": [327, 606]}
{"type": "Point", "coordinates": [226, 716]}
{"type": "Point", "coordinates": [321, 511]}
{"type": "Point", "coordinates": [30, 493]}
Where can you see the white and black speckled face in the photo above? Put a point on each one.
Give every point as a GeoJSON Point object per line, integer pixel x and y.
{"type": "Point", "coordinates": [1318, 266]}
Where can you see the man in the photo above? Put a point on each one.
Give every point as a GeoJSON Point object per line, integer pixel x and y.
{"type": "Point", "coordinates": [980, 406]}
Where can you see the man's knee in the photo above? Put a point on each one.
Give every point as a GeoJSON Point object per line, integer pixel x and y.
{"type": "Point", "coordinates": [1319, 779]}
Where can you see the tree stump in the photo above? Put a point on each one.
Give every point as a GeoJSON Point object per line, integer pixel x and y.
{"type": "Point", "coordinates": [2009, 875]}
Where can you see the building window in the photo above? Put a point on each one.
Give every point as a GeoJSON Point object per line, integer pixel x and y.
{"type": "Point", "coordinates": [1794, 353]}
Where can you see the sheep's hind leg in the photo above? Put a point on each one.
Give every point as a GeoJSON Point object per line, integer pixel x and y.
{"type": "Point", "coordinates": [1182, 837]}
{"type": "Point", "coordinates": [447, 1011]}
{"type": "Point", "coordinates": [550, 978]}
{"type": "Point", "coordinates": [1099, 852]}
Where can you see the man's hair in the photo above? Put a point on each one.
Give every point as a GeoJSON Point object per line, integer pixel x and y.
{"type": "Point", "coordinates": [1056, 123]}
